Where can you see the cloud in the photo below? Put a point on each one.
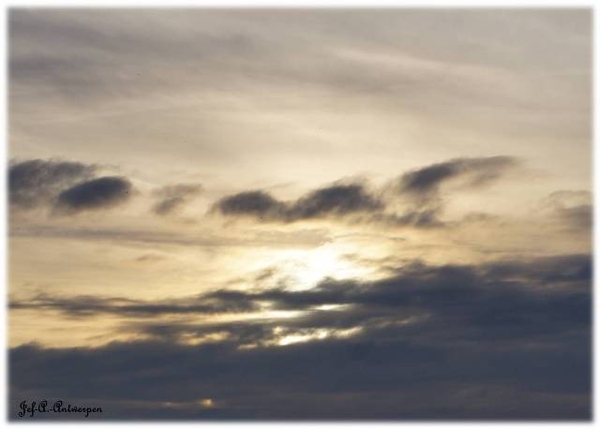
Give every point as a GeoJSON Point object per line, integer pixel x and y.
{"type": "Point", "coordinates": [472, 172]}
{"type": "Point", "coordinates": [335, 201]}
{"type": "Point", "coordinates": [377, 62]}
{"type": "Point", "coordinates": [572, 208]}
{"type": "Point", "coordinates": [332, 379]}
{"type": "Point", "coordinates": [509, 340]}
{"type": "Point", "coordinates": [513, 289]}
{"type": "Point", "coordinates": [173, 197]}
{"type": "Point", "coordinates": [338, 200]}
{"type": "Point", "coordinates": [501, 340]}
{"type": "Point", "coordinates": [418, 217]}
{"type": "Point", "coordinates": [517, 298]}
{"type": "Point", "coordinates": [64, 186]}
{"type": "Point", "coordinates": [81, 306]}
{"type": "Point", "coordinates": [35, 182]}
{"type": "Point", "coordinates": [146, 237]}
{"type": "Point", "coordinates": [101, 193]}
{"type": "Point", "coordinates": [253, 203]}
{"type": "Point", "coordinates": [420, 190]}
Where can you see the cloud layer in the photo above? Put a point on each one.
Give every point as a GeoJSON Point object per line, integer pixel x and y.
{"type": "Point", "coordinates": [498, 340]}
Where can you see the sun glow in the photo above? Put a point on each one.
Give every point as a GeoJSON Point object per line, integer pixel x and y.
{"type": "Point", "coordinates": [307, 268]}
{"type": "Point", "coordinates": [206, 403]}
{"type": "Point", "coordinates": [313, 335]}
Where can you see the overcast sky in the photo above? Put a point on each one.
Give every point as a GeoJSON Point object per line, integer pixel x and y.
{"type": "Point", "coordinates": [314, 214]}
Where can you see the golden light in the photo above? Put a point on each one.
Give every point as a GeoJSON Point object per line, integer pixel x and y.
{"type": "Point", "coordinates": [313, 335]}
{"type": "Point", "coordinates": [206, 403]}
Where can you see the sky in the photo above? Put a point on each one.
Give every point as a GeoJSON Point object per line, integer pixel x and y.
{"type": "Point", "coordinates": [304, 214]}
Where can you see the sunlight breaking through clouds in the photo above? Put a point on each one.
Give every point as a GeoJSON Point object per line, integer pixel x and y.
{"type": "Point", "coordinates": [301, 214]}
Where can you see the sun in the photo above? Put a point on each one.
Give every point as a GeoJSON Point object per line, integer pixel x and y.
{"type": "Point", "coordinates": [304, 268]}
{"type": "Point", "coordinates": [327, 261]}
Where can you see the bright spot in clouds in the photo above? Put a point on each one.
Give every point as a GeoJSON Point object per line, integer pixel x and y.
{"type": "Point", "coordinates": [206, 403]}
{"type": "Point", "coordinates": [308, 268]}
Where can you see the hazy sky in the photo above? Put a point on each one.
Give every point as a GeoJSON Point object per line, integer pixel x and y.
{"type": "Point", "coordinates": [272, 214]}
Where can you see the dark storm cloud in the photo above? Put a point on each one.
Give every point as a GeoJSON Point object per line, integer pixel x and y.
{"type": "Point", "coordinates": [535, 300]}
{"type": "Point", "coordinates": [100, 193]}
{"type": "Point", "coordinates": [574, 271]}
{"type": "Point", "coordinates": [501, 340]}
{"type": "Point", "coordinates": [173, 197]}
{"type": "Point", "coordinates": [322, 380]}
{"type": "Point", "coordinates": [515, 299]}
{"type": "Point", "coordinates": [335, 200]}
{"type": "Point", "coordinates": [33, 183]}
{"type": "Point", "coordinates": [473, 172]}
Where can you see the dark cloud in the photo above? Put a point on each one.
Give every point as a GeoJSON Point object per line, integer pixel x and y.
{"type": "Point", "coordinates": [94, 194]}
{"type": "Point", "coordinates": [471, 171]}
{"type": "Point", "coordinates": [419, 191]}
{"type": "Point", "coordinates": [502, 340]}
{"type": "Point", "coordinates": [35, 182]}
{"type": "Point", "coordinates": [65, 186]}
{"type": "Point", "coordinates": [574, 271]}
{"type": "Point", "coordinates": [340, 380]}
{"type": "Point", "coordinates": [428, 179]}
{"type": "Point", "coordinates": [335, 200]}
{"type": "Point", "coordinates": [254, 203]}
{"type": "Point", "coordinates": [81, 306]}
{"type": "Point", "coordinates": [173, 197]}
{"type": "Point", "coordinates": [553, 288]}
